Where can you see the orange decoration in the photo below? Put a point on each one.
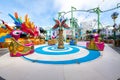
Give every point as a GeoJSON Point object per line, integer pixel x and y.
{"type": "Point", "coordinates": [20, 48]}
{"type": "Point", "coordinates": [16, 15]}
{"type": "Point", "coordinates": [10, 48]}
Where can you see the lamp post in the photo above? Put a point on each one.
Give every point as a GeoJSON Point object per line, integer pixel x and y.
{"type": "Point", "coordinates": [114, 16]}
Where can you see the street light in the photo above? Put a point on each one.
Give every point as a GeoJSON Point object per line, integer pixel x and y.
{"type": "Point", "coordinates": [114, 16]}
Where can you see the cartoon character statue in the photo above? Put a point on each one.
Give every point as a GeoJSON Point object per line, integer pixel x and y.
{"type": "Point", "coordinates": [95, 43]}
{"type": "Point", "coordinates": [73, 42]}
{"type": "Point", "coordinates": [26, 26]}
{"type": "Point", "coordinates": [18, 49]}
{"type": "Point", "coordinates": [96, 37]}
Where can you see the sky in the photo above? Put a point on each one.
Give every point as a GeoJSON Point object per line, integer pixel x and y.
{"type": "Point", "coordinates": [42, 12]}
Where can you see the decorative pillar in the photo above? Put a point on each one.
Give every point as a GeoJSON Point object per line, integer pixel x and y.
{"type": "Point", "coordinates": [60, 39]}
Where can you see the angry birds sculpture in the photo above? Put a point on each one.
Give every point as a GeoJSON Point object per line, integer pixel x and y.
{"type": "Point", "coordinates": [18, 49]}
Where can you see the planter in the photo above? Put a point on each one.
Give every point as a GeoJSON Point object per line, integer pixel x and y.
{"type": "Point", "coordinates": [110, 41]}
{"type": "Point", "coordinates": [116, 43]}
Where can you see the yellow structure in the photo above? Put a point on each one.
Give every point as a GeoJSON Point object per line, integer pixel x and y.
{"type": "Point", "coordinates": [52, 42]}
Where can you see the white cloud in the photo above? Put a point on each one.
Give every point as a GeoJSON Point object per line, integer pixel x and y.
{"type": "Point", "coordinates": [65, 5]}
{"type": "Point", "coordinates": [42, 12]}
{"type": "Point", "coordinates": [85, 4]}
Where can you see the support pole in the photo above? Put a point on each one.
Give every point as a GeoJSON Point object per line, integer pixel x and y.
{"type": "Point", "coordinates": [98, 19]}
{"type": "Point", "coordinates": [97, 11]}
{"type": "Point", "coordinates": [72, 22]}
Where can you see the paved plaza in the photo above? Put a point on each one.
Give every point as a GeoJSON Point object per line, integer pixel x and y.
{"type": "Point", "coordinates": [106, 67]}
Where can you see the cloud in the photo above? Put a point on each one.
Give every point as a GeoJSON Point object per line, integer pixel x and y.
{"type": "Point", "coordinates": [40, 12]}
{"type": "Point", "coordinates": [65, 5]}
{"type": "Point", "coordinates": [43, 12]}
{"type": "Point", "coordinates": [85, 4]}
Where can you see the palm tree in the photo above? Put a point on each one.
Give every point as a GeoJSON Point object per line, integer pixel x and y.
{"type": "Point", "coordinates": [60, 24]}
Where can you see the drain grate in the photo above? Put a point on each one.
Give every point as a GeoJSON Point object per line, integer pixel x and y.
{"type": "Point", "coordinates": [2, 78]}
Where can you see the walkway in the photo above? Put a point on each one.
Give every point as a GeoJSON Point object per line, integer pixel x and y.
{"type": "Point", "coordinates": [115, 48]}
{"type": "Point", "coordinates": [106, 67]}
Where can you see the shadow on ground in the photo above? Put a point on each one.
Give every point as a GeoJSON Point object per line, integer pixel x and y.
{"type": "Point", "coordinates": [3, 51]}
{"type": "Point", "coordinates": [115, 48]}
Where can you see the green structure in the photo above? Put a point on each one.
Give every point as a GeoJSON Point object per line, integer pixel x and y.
{"type": "Point", "coordinates": [98, 11]}
{"type": "Point", "coordinates": [72, 21]}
